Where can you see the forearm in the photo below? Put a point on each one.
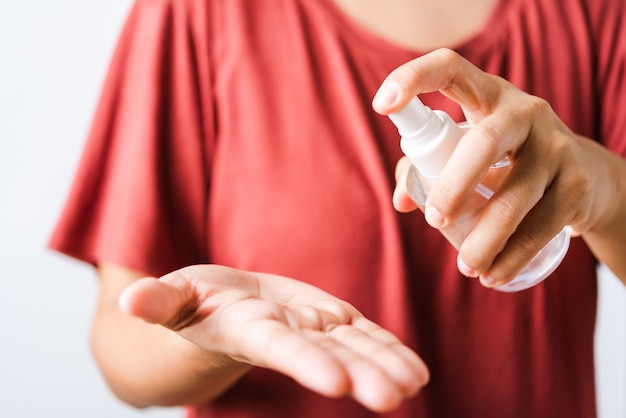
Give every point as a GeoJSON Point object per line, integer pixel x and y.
{"type": "Point", "coordinates": [147, 364]}
{"type": "Point", "coordinates": [607, 238]}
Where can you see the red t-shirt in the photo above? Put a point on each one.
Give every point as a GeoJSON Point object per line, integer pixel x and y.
{"type": "Point", "coordinates": [241, 133]}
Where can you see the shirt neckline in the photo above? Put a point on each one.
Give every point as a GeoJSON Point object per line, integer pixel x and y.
{"type": "Point", "coordinates": [488, 36]}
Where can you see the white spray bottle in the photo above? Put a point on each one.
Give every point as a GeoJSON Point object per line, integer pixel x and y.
{"type": "Point", "coordinates": [428, 140]}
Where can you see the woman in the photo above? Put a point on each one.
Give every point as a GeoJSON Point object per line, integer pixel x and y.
{"type": "Point", "coordinates": [240, 134]}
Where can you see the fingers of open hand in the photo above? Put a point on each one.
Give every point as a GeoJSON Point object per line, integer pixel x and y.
{"type": "Point", "coordinates": [376, 370]}
{"type": "Point", "coordinates": [385, 350]}
{"type": "Point", "coordinates": [356, 358]}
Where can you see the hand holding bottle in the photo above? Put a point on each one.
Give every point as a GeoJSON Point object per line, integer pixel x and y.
{"type": "Point", "coordinates": [429, 138]}
{"type": "Point", "coordinates": [551, 182]}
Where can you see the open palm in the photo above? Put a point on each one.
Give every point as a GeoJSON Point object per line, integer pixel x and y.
{"type": "Point", "coordinates": [279, 323]}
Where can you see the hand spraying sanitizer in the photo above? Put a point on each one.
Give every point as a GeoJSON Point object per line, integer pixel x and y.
{"type": "Point", "coordinates": [428, 139]}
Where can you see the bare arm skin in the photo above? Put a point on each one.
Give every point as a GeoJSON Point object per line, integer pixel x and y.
{"type": "Point", "coordinates": [143, 362]}
{"type": "Point", "coordinates": [558, 178]}
{"type": "Point", "coordinates": [188, 336]}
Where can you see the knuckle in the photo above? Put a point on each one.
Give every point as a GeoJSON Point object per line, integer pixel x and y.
{"type": "Point", "coordinates": [562, 145]}
{"type": "Point", "coordinates": [408, 71]}
{"type": "Point", "coordinates": [446, 198]}
{"type": "Point", "coordinates": [579, 184]}
{"type": "Point", "coordinates": [490, 137]}
{"type": "Point", "coordinates": [447, 56]}
{"type": "Point", "coordinates": [505, 271]}
{"type": "Point", "coordinates": [537, 107]}
{"type": "Point", "coordinates": [571, 181]}
{"type": "Point", "coordinates": [507, 210]}
{"type": "Point", "coordinates": [575, 185]}
{"type": "Point", "coordinates": [527, 239]}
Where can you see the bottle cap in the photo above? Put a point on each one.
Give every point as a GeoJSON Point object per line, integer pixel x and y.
{"type": "Point", "coordinates": [428, 137]}
{"type": "Point", "coordinates": [412, 117]}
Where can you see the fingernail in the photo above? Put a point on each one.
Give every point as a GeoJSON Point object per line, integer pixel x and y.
{"type": "Point", "coordinates": [386, 95]}
{"type": "Point", "coordinates": [465, 269]}
{"type": "Point", "coordinates": [487, 281]}
{"type": "Point", "coordinates": [434, 217]}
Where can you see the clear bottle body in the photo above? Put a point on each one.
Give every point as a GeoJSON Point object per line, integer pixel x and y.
{"type": "Point", "coordinates": [540, 267]}
{"type": "Point", "coordinates": [429, 138]}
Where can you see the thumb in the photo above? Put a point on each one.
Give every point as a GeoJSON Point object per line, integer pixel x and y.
{"type": "Point", "coordinates": [156, 301]}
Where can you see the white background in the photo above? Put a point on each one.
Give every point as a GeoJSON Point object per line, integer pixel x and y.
{"type": "Point", "coordinates": [53, 55]}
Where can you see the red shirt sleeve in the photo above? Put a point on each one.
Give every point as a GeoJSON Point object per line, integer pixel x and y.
{"type": "Point", "coordinates": [139, 196]}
